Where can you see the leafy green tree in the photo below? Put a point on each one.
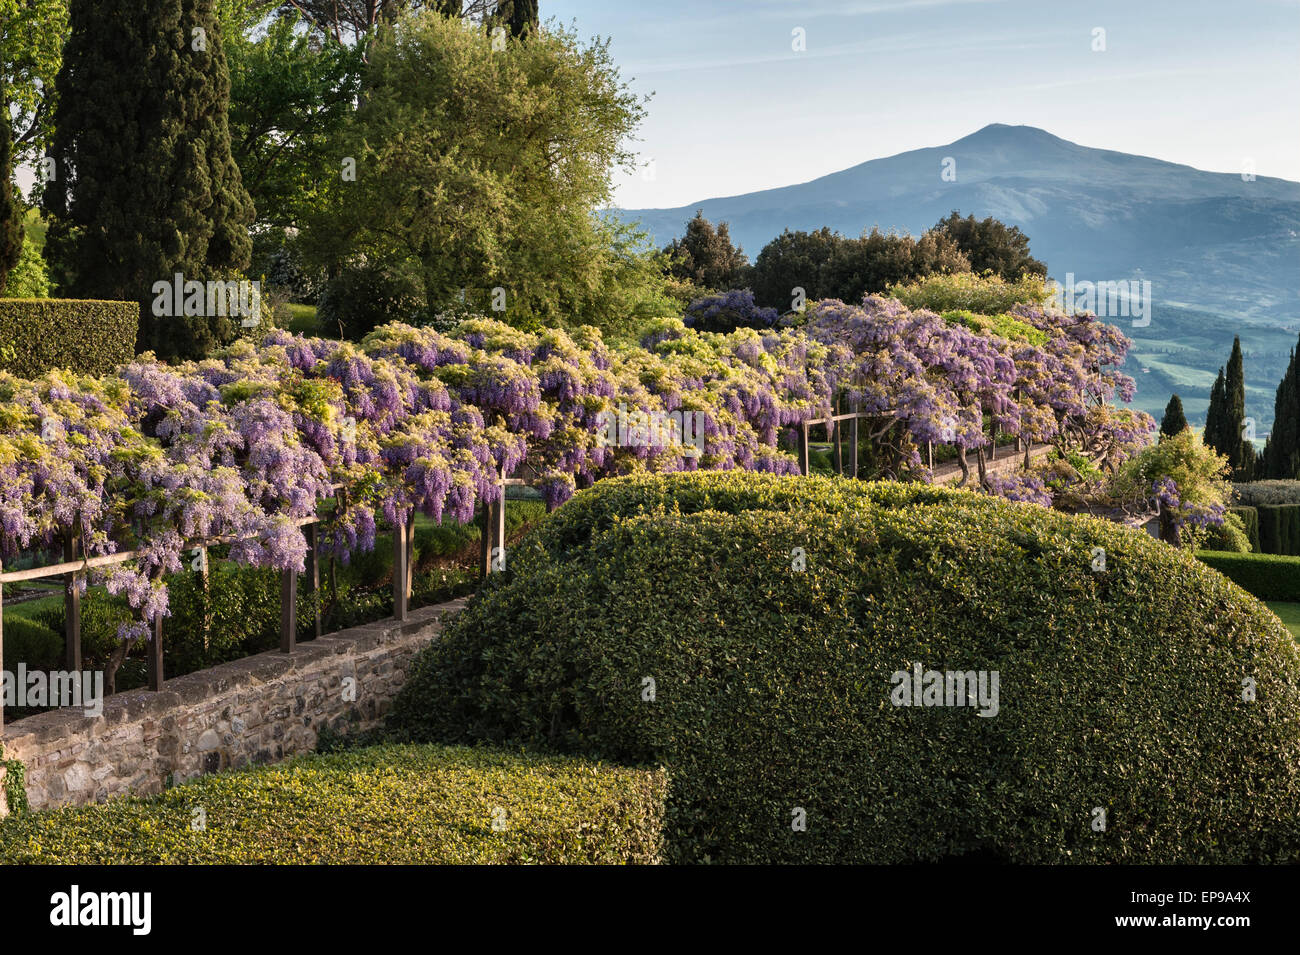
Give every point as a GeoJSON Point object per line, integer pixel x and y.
{"type": "Point", "coordinates": [347, 21]}
{"type": "Point", "coordinates": [291, 98]}
{"type": "Point", "coordinates": [481, 169]}
{"type": "Point", "coordinates": [33, 32]}
{"type": "Point", "coordinates": [992, 246]}
{"type": "Point", "coordinates": [826, 264]}
{"type": "Point", "coordinates": [1200, 487]}
{"type": "Point", "coordinates": [705, 256]}
{"type": "Point", "coordinates": [146, 186]}
{"type": "Point", "coordinates": [796, 260]}
{"type": "Point", "coordinates": [1174, 421]}
{"type": "Point", "coordinates": [1282, 451]}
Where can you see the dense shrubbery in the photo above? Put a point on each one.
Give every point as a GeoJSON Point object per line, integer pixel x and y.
{"type": "Point", "coordinates": [1267, 576]}
{"type": "Point", "coordinates": [1249, 517]}
{"type": "Point", "coordinates": [967, 292]}
{"type": "Point", "coordinates": [1268, 493]}
{"type": "Point", "coordinates": [1279, 529]}
{"type": "Point", "coordinates": [770, 615]}
{"type": "Point", "coordinates": [403, 804]}
{"type": "Point", "coordinates": [88, 337]}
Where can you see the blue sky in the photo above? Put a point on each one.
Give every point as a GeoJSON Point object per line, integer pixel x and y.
{"type": "Point", "coordinates": [735, 108]}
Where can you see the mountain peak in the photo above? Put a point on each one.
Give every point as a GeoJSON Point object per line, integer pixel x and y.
{"type": "Point", "coordinates": [1005, 133]}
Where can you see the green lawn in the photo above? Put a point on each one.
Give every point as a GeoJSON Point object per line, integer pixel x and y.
{"type": "Point", "coordinates": [304, 319]}
{"type": "Point", "coordinates": [1289, 613]}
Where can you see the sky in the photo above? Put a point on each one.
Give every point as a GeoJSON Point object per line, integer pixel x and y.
{"type": "Point", "coordinates": [735, 108]}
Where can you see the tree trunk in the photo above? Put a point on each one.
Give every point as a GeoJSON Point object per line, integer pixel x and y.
{"type": "Point", "coordinates": [965, 467]}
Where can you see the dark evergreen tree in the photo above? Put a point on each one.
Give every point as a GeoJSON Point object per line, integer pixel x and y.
{"type": "Point", "coordinates": [1174, 421]}
{"type": "Point", "coordinates": [146, 186]}
{"type": "Point", "coordinates": [517, 16]}
{"type": "Point", "coordinates": [11, 210]}
{"type": "Point", "coordinates": [1282, 451]}
{"type": "Point", "coordinates": [992, 245]}
{"type": "Point", "coordinates": [705, 255]}
{"type": "Point", "coordinates": [1214, 416]}
{"type": "Point", "coordinates": [1239, 448]}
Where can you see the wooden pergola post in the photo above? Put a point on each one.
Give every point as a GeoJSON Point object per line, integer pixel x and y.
{"type": "Point", "coordinates": [853, 442]}
{"type": "Point", "coordinates": [155, 653]}
{"type": "Point", "coordinates": [72, 606]}
{"type": "Point", "coordinates": [401, 568]}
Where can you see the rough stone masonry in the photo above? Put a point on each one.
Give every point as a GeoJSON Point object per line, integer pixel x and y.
{"type": "Point", "coordinates": [259, 709]}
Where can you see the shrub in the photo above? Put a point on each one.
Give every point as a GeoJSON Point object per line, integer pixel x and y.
{"type": "Point", "coordinates": [967, 292]}
{"type": "Point", "coordinates": [29, 278]}
{"type": "Point", "coordinates": [772, 684]}
{"type": "Point", "coordinates": [1257, 493]}
{"type": "Point", "coordinates": [1279, 528]}
{"type": "Point", "coordinates": [29, 642]}
{"type": "Point", "coordinates": [90, 337]}
{"type": "Point", "coordinates": [389, 804]}
{"type": "Point", "coordinates": [359, 299]}
{"type": "Point", "coordinates": [1229, 536]}
{"type": "Point", "coordinates": [1249, 518]}
{"type": "Point", "coordinates": [1267, 576]}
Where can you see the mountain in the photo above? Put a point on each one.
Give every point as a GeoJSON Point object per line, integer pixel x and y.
{"type": "Point", "coordinates": [1222, 253]}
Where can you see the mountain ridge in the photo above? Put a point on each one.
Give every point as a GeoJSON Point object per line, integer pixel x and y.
{"type": "Point", "coordinates": [1222, 252]}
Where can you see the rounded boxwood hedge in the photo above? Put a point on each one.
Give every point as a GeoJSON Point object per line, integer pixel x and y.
{"type": "Point", "coordinates": [1123, 732]}
{"type": "Point", "coordinates": [383, 804]}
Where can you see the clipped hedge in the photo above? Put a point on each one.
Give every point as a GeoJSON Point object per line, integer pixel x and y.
{"type": "Point", "coordinates": [1250, 523]}
{"type": "Point", "coordinates": [387, 804]}
{"type": "Point", "coordinates": [1279, 528]}
{"type": "Point", "coordinates": [1267, 576]}
{"type": "Point", "coordinates": [89, 336]}
{"type": "Point", "coordinates": [1120, 689]}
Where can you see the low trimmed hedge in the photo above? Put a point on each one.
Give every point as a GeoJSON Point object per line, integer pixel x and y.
{"type": "Point", "coordinates": [1121, 690]}
{"type": "Point", "coordinates": [1267, 576]}
{"type": "Point", "coordinates": [386, 804]}
{"type": "Point", "coordinates": [89, 336]}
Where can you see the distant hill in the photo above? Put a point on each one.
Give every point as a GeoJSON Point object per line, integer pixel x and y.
{"type": "Point", "coordinates": [1222, 253]}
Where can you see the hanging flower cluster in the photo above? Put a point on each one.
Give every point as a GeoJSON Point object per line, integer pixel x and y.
{"type": "Point", "coordinates": [243, 446]}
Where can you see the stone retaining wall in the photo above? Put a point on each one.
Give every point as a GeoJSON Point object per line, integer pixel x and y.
{"type": "Point", "coordinates": [256, 710]}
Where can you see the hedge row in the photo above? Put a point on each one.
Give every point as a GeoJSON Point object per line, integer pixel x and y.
{"type": "Point", "coordinates": [387, 804]}
{"type": "Point", "coordinates": [1250, 522]}
{"type": "Point", "coordinates": [1279, 529]}
{"type": "Point", "coordinates": [89, 336]}
{"type": "Point", "coordinates": [745, 631]}
{"type": "Point", "coordinates": [1267, 576]}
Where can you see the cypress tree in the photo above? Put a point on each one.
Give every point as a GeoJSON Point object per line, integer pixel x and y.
{"type": "Point", "coordinates": [1174, 421]}
{"type": "Point", "coordinates": [1234, 384]}
{"type": "Point", "coordinates": [146, 186]}
{"type": "Point", "coordinates": [11, 210]}
{"type": "Point", "coordinates": [1214, 415]}
{"type": "Point", "coordinates": [1282, 452]}
{"type": "Point", "coordinates": [518, 16]}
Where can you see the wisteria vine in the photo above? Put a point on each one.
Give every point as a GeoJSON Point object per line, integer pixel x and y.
{"type": "Point", "coordinates": [244, 446]}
